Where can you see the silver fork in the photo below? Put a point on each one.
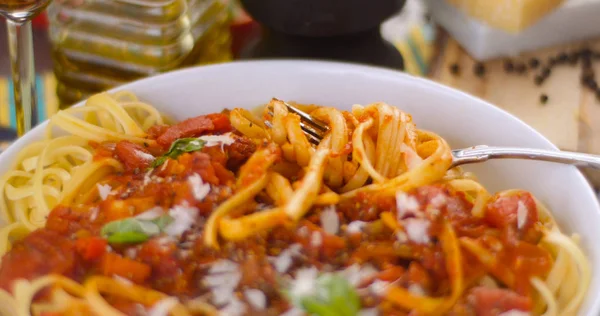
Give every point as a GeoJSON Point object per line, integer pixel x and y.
{"type": "Point", "coordinates": [315, 130]}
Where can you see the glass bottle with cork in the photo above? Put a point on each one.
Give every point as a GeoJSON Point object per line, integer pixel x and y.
{"type": "Point", "coordinates": [99, 44]}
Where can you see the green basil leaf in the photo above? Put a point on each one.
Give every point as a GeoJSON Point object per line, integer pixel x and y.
{"type": "Point", "coordinates": [341, 295]}
{"type": "Point", "coordinates": [314, 306]}
{"type": "Point", "coordinates": [130, 225]}
{"type": "Point", "coordinates": [127, 238]}
{"type": "Point", "coordinates": [163, 221]}
{"type": "Point", "coordinates": [333, 295]}
{"type": "Point", "coordinates": [180, 146]}
{"type": "Point", "coordinates": [186, 145]}
{"type": "Point", "coordinates": [158, 161]}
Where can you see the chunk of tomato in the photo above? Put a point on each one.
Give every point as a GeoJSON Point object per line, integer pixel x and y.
{"type": "Point", "coordinates": [493, 301]}
{"type": "Point", "coordinates": [42, 252]}
{"type": "Point", "coordinates": [133, 155]}
{"type": "Point", "coordinates": [91, 248]}
{"type": "Point", "coordinates": [504, 211]}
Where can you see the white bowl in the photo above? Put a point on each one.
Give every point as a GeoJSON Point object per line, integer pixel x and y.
{"type": "Point", "coordinates": [460, 118]}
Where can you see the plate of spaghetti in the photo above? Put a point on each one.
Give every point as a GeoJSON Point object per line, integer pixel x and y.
{"type": "Point", "coordinates": [171, 196]}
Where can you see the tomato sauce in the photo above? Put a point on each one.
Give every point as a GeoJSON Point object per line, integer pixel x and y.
{"type": "Point", "coordinates": [71, 243]}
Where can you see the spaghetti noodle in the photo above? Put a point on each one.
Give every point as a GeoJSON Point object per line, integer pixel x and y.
{"type": "Point", "coordinates": [118, 213]}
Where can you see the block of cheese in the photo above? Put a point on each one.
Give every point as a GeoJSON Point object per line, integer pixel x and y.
{"type": "Point", "coordinates": [575, 20]}
{"type": "Point", "coordinates": [509, 15]}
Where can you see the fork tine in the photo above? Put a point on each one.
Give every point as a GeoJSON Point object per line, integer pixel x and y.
{"type": "Point", "coordinates": [314, 129]}
{"type": "Point", "coordinates": [313, 135]}
{"type": "Point", "coordinates": [311, 138]}
{"type": "Point", "coordinates": [306, 117]}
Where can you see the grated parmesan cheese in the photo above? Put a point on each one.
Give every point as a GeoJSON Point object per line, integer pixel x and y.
{"type": "Point", "coordinates": [256, 298]}
{"type": "Point", "coordinates": [151, 214]}
{"type": "Point", "coordinates": [284, 261]}
{"type": "Point", "coordinates": [144, 155]}
{"type": "Point", "coordinates": [379, 287]}
{"type": "Point", "coordinates": [184, 217]}
{"type": "Point", "coordinates": [214, 140]}
{"type": "Point", "coordinates": [164, 165]}
{"type": "Point", "coordinates": [104, 190]}
{"type": "Point", "coordinates": [304, 284]}
{"type": "Point", "coordinates": [131, 252]}
{"type": "Point", "coordinates": [140, 309]}
{"type": "Point", "coordinates": [407, 205]}
{"type": "Point", "coordinates": [184, 253]}
{"type": "Point", "coordinates": [416, 289]}
{"type": "Point", "coordinates": [229, 280]}
{"type": "Point", "coordinates": [221, 295]}
{"type": "Point", "coordinates": [303, 231]}
{"type": "Point", "coordinates": [355, 227]}
{"type": "Point", "coordinates": [330, 220]}
{"type": "Point", "coordinates": [122, 280]}
{"type": "Point", "coordinates": [162, 307]}
{"type": "Point", "coordinates": [316, 239]}
{"type": "Point", "coordinates": [417, 230]}
{"type": "Point", "coordinates": [411, 158]}
{"type": "Point", "coordinates": [294, 311]}
{"type": "Point", "coordinates": [522, 213]}
{"type": "Point", "coordinates": [199, 188]}
{"type": "Point", "coordinates": [515, 312]}
{"type": "Point", "coordinates": [433, 213]}
{"type": "Point", "coordinates": [438, 201]}
{"type": "Point", "coordinates": [355, 274]}
{"type": "Point", "coordinates": [369, 312]}
{"type": "Point", "coordinates": [235, 307]}
{"type": "Point", "coordinates": [401, 236]}
{"type": "Point", "coordinates": [488, 282]}
{"type": "Point", "coordinates": [222, 279]}
{"type": "Point", "coordinates": [222, 266]}
{"type": "Point", "coordinates": [94, 213]}
{"type": "Point", "coordinates": [147, 178]}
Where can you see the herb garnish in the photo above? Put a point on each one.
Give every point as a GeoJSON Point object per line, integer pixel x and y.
{"type": "Point", "coordinates": [134, 230]}
{"type": "Point", "coordinates": [180, 146]}
{"type": "Point", "coordinates": [331, 295]}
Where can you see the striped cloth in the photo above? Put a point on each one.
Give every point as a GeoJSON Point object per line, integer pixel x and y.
{"type": "Point", "coordinates": [418, 49]}
{"type": "Point", "coordinates": [46, 97]}
{"type": "Point", "coordinates": [416, 46]}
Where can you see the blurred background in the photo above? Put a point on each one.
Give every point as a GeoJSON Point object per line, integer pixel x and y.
{"type": "Point", "coordinates": [536, 59]}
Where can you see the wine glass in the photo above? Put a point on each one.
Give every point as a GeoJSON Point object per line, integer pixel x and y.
{"type": "Point", "coordinates": [18, 14]}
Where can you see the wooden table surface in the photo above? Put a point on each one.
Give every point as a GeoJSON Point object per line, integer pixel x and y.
{"type": "Point", "coordinates": [571, 116]}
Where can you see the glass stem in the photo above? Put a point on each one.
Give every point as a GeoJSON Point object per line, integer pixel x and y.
{"type": "Point", "coordinates": [20, 47]}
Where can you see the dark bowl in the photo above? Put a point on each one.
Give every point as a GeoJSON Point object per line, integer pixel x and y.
{"type": "Point", "coordinates": [321, 18]}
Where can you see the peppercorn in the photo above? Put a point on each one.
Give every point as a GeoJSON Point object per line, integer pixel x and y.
{"type": "Point", "coordinates": [508, 66]}
{"type": "Point", "coordinates": [573, 58]}
{"type": "Point", "coordinates": [587, 75]}
{"type": "Point", "coordinates": [544, 98]}
{"type": "Point", "coordinates": [546, 72]}
{"type": "Point", "coordinates": [479, 69]}
{"type": "Point", "coordinates": [455, 69]}
{"type": "Point", "coordinates": [562, 57]}
{"type": "Point", "coordinates": [586, 52]}
{"type": "Point", "coordinates": [539, 80]}
{"type": "Point", "coordinates": [534, 63]}
{"type": "Point", "coordinates": [586, 62]}
{"type": "Point", "coordinates": [520, 68]}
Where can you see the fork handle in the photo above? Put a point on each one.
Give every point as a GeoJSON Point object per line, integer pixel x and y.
{"type": "Point", "coordinates": [484, 153]}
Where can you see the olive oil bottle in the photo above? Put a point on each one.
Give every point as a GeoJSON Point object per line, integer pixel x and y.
{"type": "Point", "coordinates": [99, 44]}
